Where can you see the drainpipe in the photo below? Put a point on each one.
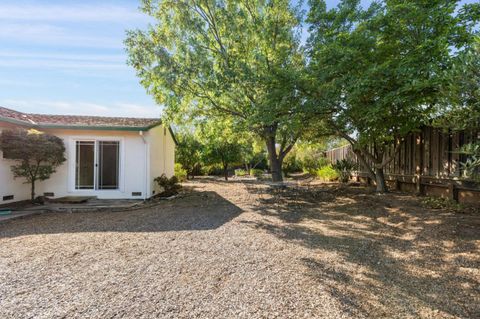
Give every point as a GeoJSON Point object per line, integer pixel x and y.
{"type": "Point", "coordinates": [145, 165]}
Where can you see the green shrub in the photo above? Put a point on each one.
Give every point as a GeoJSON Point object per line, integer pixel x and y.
{"type": "Point", "coordinates": [291, 163]}
{"type": "Point", "coordinates": [212, 170]}
{"type": "Point", "coordinates": [240, 172]}
{"type": "Point", "coordinates": [256, 172]}
{"type": "Point", "coordinates": [327, 173]}
{"type": "Point", "coordinates": [441, 203]}
{"type": "Point", "coordinates": [180, 172]}
{"type": "Point", "coordinates": [344, 169]}
{"type": "Point", "coordinates": [471, 166]}
{"type": "Point", "coordinates": [312, 165]}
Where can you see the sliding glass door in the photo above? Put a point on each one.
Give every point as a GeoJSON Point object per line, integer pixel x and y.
{"type": "Point", "coordinates": [97, 165]}
{"type": "Point", "coordinates": [85, 165]}
{"type": "Point", "coordinates": [108, 165]}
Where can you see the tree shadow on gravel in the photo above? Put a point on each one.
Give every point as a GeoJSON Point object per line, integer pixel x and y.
{"type": "Point", "coordinates": [391, 258]}
{"type": "Point", "coordinates": [195, 211]}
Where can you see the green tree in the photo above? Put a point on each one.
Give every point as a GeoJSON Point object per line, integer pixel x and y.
{"type": "Point", "coordinates": [462, 111]}
{"type": "Point", "coordinates": [226, 59]}
{"type": "Point", "coordinates": [376, 74]}
{"type": "Point", "coordinates": [38, 154]}
{"type": "Point", "coordinates": [221, 145]}
{"type": "Point", "coordinates": [252, 151]}
{"type": "Point", "coordinates": [189, 152]}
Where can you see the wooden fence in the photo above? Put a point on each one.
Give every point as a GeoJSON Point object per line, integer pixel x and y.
{"type": "Point", "coordinates": [427, 162]}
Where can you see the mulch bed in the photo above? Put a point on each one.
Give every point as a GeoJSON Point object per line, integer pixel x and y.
{"type": "Point", "coordinates": [242, 249]}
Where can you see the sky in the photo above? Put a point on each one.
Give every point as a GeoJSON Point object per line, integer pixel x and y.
{"type": "Point", "coordinates": [68, 57]}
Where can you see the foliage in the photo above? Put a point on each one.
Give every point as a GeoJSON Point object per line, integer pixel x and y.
{"type": "Point", "coordinates": [180, 172]}
{"type": "Point", "coordinates": [240, 172]}
{"type": "Point", "coordinates": [226, 60]}
{"type": "Point", "coordinates": [377, 73]}
{"type": "Point", "coordinates": [327, 173]}
{"type": "Point", "coordinates": [170, 185]}
{"type": "Point", "coordinates": [221, 145]}
{"type": "Point", "coordinates": [256, 172]}
{"type": "Point", "coordinates": [441, 203]}
{"type": "Point", "coordinates": [344, 169]}
{"type": "Point", "coordinates": [38, 154]}
{"type": "Point", "coordinates": [307, 157]}
{"type": "Point", "coordinates": [462, 110]}
{"type": "Point", "coordinates": [471, 166]}
{"type": "Point", "coordinates": [212, 170]}
{"type": "Point", "coordinates": [222, 152]}
{"type": "Point", "coordinates": [290, 163]}
{"type": "Point", "coordinates": [188, 152]}
{"type": "Point", "coordinates": [253, 151]}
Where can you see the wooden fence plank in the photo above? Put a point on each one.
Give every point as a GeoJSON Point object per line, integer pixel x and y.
{"type": "Point", "coordinates": [429, 152]}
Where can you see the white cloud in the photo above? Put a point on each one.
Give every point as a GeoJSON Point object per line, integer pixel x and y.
{"type": "Point", "coordinates": [70, 13]}
{"type": "Point", "coordinates": [82, 108]}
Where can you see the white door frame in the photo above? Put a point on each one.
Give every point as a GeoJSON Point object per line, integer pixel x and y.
{"type": "Point", "coordinates": [72, 161]}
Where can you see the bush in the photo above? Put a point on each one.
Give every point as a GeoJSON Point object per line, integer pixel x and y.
{"type": "Point", "coordinates": [256, 172]}
{"type": "Point", "coordinates": [212, 170]}
{"type": "Point", "coordinates": [170, 185]}
{"type": "Point", "coordinates": [291, 164]}
{"type": "Point", "coordinates": [471, 166]}
{"type": "Point", "coordinates": [240, 172]}
{"type": "Point", "coordinates": [344, 169]}
{"type": "Point", "coordinates": [441, 203]}
{"type": "Point", "coordinates": [312, 166]}
{"type": "Point", "coordinates": [180, 172]}
{"type": "Point", "coordinates": [327, 173]}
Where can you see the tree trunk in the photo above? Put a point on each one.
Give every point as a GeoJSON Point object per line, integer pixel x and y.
{"type": "Point", "coordinates": [225, 171]}
{"type": "Point", "coordinates": [275, 161]}
{"type": "Point", "coordinates": [380, 181]}
{"type": "Point", "coordinates": [374, 173]}
{"type": "Point", "coordinates": [33, 190]}
{"type": "Point", "coordinates": [276, 168]}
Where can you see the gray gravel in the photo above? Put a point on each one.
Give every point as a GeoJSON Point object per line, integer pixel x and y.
{"type": "Point", "coordinates": [243, 250]}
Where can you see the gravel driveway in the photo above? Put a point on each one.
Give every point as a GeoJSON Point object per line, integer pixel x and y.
{"type": "Point", "coordinates": [241, 249]}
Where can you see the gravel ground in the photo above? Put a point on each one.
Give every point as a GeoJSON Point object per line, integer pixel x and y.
{"type": "Point", "coordinates": [242, 249]}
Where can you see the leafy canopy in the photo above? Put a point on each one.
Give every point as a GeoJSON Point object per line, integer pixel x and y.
{"type": "Point", "coordinates": [219, 57]}
{"type": "Point", "coordinates": [380, 71]}
{"type": "Point", "coordinates": [238, 60]}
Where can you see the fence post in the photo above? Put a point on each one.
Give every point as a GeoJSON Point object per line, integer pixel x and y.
{"type": "Point", "coordinates": [397, 184]}
{"type": "Point", "coordinates": [418, 185]}
{"type": "Point", "coordinates": [452, 192]}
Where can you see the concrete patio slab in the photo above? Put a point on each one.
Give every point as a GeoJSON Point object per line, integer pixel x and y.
{"type": "Point", "coordinates": [93, 205]}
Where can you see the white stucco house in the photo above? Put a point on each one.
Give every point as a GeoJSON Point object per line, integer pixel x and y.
{"type": "Point", "coordinates": [107, 157]}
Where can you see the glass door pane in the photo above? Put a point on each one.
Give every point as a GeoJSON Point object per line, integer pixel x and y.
{"type": "Point", "coordinates": [108, 164]}
{"type": "Point", "coordinates": [85, 165]}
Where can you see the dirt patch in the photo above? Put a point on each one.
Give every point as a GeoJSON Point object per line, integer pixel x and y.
{"type": "Point", "coordinates": [246, 249]}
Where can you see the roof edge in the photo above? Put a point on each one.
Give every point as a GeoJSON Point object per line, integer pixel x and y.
{"type": "Point", "coordinates": [86, 127]}
{"type": "Point", "coordinates": [78, 127]}
{"type": "Point", "coordinates": [15, 121]}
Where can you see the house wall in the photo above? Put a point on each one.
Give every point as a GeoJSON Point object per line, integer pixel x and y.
{"type": "Point", "coordinates": [8, 185]}
{"type": "Point", "coordinates": [132, 165]}
{"type": "Point", "coordinates": [142, 158]}
{"type": "Point", "coordinates": [161, 149]}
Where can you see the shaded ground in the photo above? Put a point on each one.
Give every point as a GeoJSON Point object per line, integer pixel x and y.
{"type": "Point", "coordinates": [245, 249]}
